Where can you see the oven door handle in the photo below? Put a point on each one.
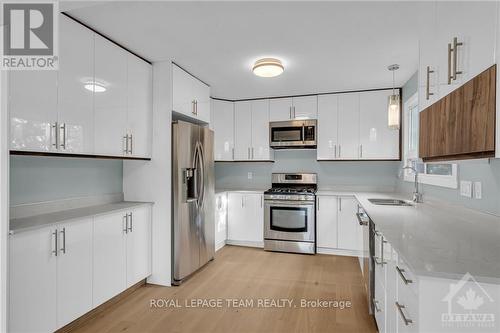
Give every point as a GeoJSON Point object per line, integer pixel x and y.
{"type": "Point", "coordinates": [294, 203]}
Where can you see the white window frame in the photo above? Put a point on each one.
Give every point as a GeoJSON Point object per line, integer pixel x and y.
{"type": "Point", "coordinates": [449, 181]}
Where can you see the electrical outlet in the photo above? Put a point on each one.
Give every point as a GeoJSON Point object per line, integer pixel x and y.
{"type": "Point", "coordinates": [250, 175]}
{"type": "Point", "coordinates": [466, 188]}
{"type": "Point", "coordinates": [478, 191]}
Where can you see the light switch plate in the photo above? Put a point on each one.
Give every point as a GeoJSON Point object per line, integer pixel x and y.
{"type": "Point", "coordinates": [478, 190]}
{"type": "Point", "coordinates": [250, 175]}
{"type": "Point", "coordinates": [466, 188]}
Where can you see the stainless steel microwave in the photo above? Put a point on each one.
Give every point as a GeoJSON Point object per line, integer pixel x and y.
{"type": "Point", "coordinates": [293, 134]}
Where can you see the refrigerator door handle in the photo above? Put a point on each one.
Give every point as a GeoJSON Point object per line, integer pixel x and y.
{"type": "Point", "coordinates": [201, 166]}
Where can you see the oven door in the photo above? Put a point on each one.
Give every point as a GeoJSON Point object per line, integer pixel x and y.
{"type": "Point", "coordinates": [289, 220]}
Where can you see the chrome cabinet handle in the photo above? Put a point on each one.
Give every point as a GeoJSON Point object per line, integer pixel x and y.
{"type": "Point", "coordinates": [290, 112]}
{"type": "Point", "coordinates": [340, 151]}
{"type": "Point", "coordinates": [375, 304]}
{"type": "Point", "coordinates": [428, 92]}
{"type": "Point", "coordinates": [456, 44]}
{"type": "Point", "coordinates": [56, 134]}
{"type": "Point", "coordinates": [403, 277]}
{"type": "Point", "coordinates": [450, 75]}
{"type": "Point", "coordinates": [63, 233]}
{"type": "Point", "coordinates": [317, 205]}
{"type": "Point", "coordinates": [335, 151]}
{"type": "Point", "coordinates": [63, 128]}
{"type": "Point", "coordinates": [125, 223]}
{"type": "Point", "coordinates": [232, 153]}
{"type": "Point", "coordinates": [379, 261]}
{"type": "Point", "coordinates": [242, 204]}
{"type": "Point", "coordinates": [193, 110]}
{"type": "Point", "coordinates": [252, 153]}
{"type": "Point", "coordinates": [294, 116]}
{"type": "Point", "coordinates": [361, 151]}
{"type": "Point", "coordinates": [125, 142]}
{"type": "Point", "coordinates": [340, 204]}
{"type": "Point", "coordinates": [56, 243]}
{"type": "Point", "coordinates": [400, 307]}
{"type": "Point", "coordinates": [248, 152]}
{"type": "Point", "coordinates": [130, 227]}
{"type": "Point", "coordinates": [131, 148]}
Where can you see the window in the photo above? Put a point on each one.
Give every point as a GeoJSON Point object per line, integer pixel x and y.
{"type": "Point", "coordinates": [436, 173]}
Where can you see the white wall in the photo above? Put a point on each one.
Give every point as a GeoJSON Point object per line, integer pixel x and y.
{"type": "Point", "coordinates": [4, 199]}
{"type": "Point", "coordinates": [150, 180]}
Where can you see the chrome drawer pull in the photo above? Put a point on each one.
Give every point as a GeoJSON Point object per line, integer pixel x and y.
{"type": "Point", "coordinates": [400, 307]}
{"type": "Point", "coordinates": [379, 261]}
{"type": "Point", "coordinates": [403, 277]}
{"type": "Point", "coordinates": [375, 304]}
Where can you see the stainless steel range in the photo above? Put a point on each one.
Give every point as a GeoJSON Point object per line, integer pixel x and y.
{"type": "Point", "coordinates": [290, 213]}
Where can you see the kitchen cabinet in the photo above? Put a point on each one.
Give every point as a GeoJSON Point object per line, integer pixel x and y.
{"type": "Point", "coordinates": [327, 142]}
{"type": "Point", "coordinates": [220, 220]}
{"type": "Point", "coordinates": [191, 97]}
{"type": "Point", "coordinates": [456, 37]}
{"type": "Point", "coordinates": [348, 126]}
{"type": "Point", "coordinates": [326, 221]}
{"type": "Point", "coordinates": [110, 105]}
{"type": "Point", "coordinates": [245, 216]}
{"type": "Point", "coordinates": [376, 140]}
{"type": "Point", "coordinates": [138, 245]}
{"type": "Point", "coordinates": [349, 231]}
{"type": "Point", "coordinates": [33, 277]}
{"type": "Point", "coordinates": [461, 125]}
{"type": "Point", "coordinates": [75, 103]}
{"type": "Point", "coordinates": [223, 126]}
{"type": "Point", "coordinates": [260, 131]}
{"type": "Point", "coordinates": [139, 106]}
{"type": "Point", "coordinates": [74, 270]}
{"type": "Point", "coordinates": [242, 131]}
{"type": "Point", "coordinates": [300, 107]}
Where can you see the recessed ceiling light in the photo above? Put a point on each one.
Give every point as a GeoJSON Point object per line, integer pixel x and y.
{"type": "Point", "coordinates": [268, 67]}
{"type": "Point", "coordinates": [94, 86]}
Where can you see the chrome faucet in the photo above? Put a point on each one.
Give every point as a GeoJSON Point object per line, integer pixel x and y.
{"type": "Point", "coordinates": [417, 196]}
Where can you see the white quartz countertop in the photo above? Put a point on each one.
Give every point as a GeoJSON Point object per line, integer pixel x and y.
{"type": "Point", "coordinates": [42, 220]}
{"type": "Point", "coordinates": [438, 239]}
{"type": "Point", "coordinates": [239, 191]}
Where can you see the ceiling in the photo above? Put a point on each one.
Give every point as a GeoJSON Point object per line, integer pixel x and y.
{"type": "Point", "coordinates": [325, 46]}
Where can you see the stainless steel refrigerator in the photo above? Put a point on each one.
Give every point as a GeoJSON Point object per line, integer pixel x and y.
{"type": "Point", "coordinates": [193, 207]}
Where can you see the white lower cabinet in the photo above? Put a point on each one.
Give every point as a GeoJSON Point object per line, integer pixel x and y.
{"type": "Point", "coordinates": [220, 220]}
{"type": "Point", "coordinates": [326, 221]}
{"type": "Point", "coordinates": [349, 231]}
{"type": "Point", "coordinates": [245, 216]}
{"type": "Point", "coordinates": [60, 272]}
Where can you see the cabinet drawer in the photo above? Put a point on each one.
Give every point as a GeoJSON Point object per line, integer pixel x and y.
{"type": "Point", "coordinates": [406, 279]}
{"type": "Point", "coordinates": [406, 307]}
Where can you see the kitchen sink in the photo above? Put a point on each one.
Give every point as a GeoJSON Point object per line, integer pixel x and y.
{"type": "Point", "coordinates": [390, 202]}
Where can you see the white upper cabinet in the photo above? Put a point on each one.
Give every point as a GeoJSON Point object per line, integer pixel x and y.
{"type": "Point", "coordinates": [75, 105]}
{"type": "Point", "coordinates": [110, 105]}
{"type": "Point", "coordinates": [223, 126]}
{"type": "Point", "coordinates": [191, 97]}
{"type": "Point", "coordinates": [457, 42]}
{"type": "Point", "coordinates": [33, 110]}
{"type": "Point", "coordinates": [348, 126]}
{"type": "Point", "coordinates": [140, 106]}
{"type": "Point", "coordinates": [326, 217]}
{"type": "Point", "coordinates": [280, 109]}
{"type": "Point", "coordinates": [260, 131]}
{"type": "Point", "coordinates": [377, 140]}
{"type": "Point", "coordinates": [327, 127]}
{"type": "Point", "coordinates": [243, 130]}
{"type": "Point", "coordinates": [304, 107]}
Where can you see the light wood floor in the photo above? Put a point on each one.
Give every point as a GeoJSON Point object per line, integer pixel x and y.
{"type": "Point", "coordinates": [247, 273]}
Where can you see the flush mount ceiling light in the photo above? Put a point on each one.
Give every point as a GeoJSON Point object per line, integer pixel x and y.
{"type": "Point", "coordinates": [268, 67]}
{"type": "Point", "coordinates": [94, 86]}
{"type": "Point", "coordinates": [394, 103]}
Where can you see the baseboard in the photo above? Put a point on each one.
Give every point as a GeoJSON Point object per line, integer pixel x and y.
{"type": "Point", "coordinates": [245, 243]}
{"type": "Point", "coordinates": [220, 245]}
{"type": "Point", "coordinates": [92, 314]}
{"type": "Point", "coordinates": [339, 252]}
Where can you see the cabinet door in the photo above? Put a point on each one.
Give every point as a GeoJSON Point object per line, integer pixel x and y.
{"type": "Point", "coordinates": [110, 106]}
{"type": "Point", "coordinates": [474, 25]}
{"type": "Point", "coordinates": [305, 107]}
{"type": "Point", "coordinates": [280, 109]}
{"type": "Point", "coordinates": [74, 271]}
{"type": "Point", "coordinates": [223, 126]}
{"type": "Point", "coordinates": [109, 263]}
{"type": "Point", "coordinates": [326, 220]}
{"type": "Point", "coordinates": [242, 130]}
{"type": "Point", "coordinates": [348, 129]}
{"type": "Point", "coordinates": [140, 105]}
{"type": "Point", "coordinates": [182, 92]}
{"type": "Point", "coordinates": [260, 130]}
{"type": "Point", "coordinates": [235, 216]}
{"type": "Point", "coordinates": [377, 140]}
{"type": "Point", "coordinates": [349, 229]}
{"type": "Point", "coordinates": [202, 97]}
{"type": "Point", "coordinates": [139, 245]}
{"type": "Point", "coordinates": [220, 219]}
{"type": "Point", "coordinates": [245, 217]}
{"type": "Point", "coordinates": [75, 105]}
{"type": "Point", "coordinates": [327, 127]}
{"type": "Point", "coordinates": [32, 275]}
{"type": "Point", "coordinates": [33, 110]}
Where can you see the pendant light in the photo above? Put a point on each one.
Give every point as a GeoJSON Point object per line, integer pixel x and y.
{"type": "Point", "coordinates": [393, 112]}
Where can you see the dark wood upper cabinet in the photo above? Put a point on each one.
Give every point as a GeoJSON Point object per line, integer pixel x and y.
{"type": "Point", "coordinates": [461, 125]}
